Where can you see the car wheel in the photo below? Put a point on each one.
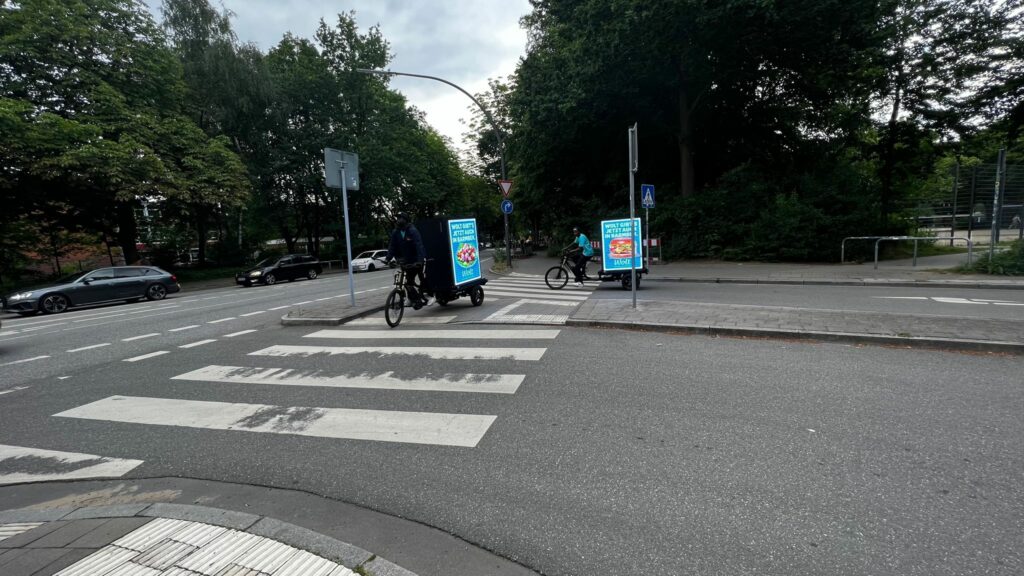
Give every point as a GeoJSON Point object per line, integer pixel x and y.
{"type": "Point", "coordinates": [156, 292]}
{"type": "Point", "coordinates": [53, 304]}
{"type": "Point", "coordinates": [372, 268]}
{"type": "Point", "coordinates": [312, 274]}
{"type": "Point", "coordinates": [269, 279]}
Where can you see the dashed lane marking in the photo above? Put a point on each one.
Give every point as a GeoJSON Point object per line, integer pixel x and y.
{"type": "Point", "coordinates": [83, 348]}
{"type": "Point", "coordinates": [147, 356]}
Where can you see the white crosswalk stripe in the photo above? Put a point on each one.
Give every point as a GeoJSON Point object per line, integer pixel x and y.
{"type": "Point", "coordinates": [22, 464]}
{"type": "Point", "coordinates": [431, 334]}
{"type": "Point", "coordinates": [433, 352]}
{"type": "Point", "coordinates": [379, 320]}
{"type": "Point", "coordinates": [534, 302]}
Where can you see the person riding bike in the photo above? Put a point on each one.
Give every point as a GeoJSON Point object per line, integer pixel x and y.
{"type": "Point", "coordinates": [583, 253]}
{"type": "Point", "coordinates": [407, 248]}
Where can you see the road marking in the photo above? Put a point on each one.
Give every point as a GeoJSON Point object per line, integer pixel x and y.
{"type": "Point", "coordinates": [34, 328]}
{"type": "Point", "coordinates": [134, 338]}
{"type": "Point", "coordinates": [434, 334]}
{"type": "Point", "coordinates": [379, 321]}
{"type": "Point", "coordinates": [199, 343]}
{"type": "Point", "coordinates": [549, 295]}
{"type": "Point", "coordinates": [25, 360]}
{"type": "Point", "coordinates": [437, 353]}
{"type": "Point", "coordinates": [385, 426]}
{"type": "Point", "coordinates": [902, 297]}
{"type": "Point", "coordinates": [26, 465]}
{"type": "Point", "coordinates": [233, 334]}
{"type": "Point", "coordinates": [253, 313]}
{"type": "Point", "coordinates": [221, 320]}
{"type": "Point", "coordinates": [569, 290]}
{"type": "Point", "coordinates": [1008, 304]}
{"type": "Point", "coordinates": [322, 299]}
{"type": "Point", "coordinates": [281, 307]}
{"type": "Point", "coordinates": [475, 383]}
{"type": "Point", "coordinates": [63, 377]}
{"type": "Point", "coordinates": [189, 300]}
{"type": "Point", "coordinates": [184, 328]}
{"type": "Point", "coordinates": [89, 347]}
{"type": "Point", "coordinates": [211, 298]}
{"type": "Point", "coordinates": [301, 303]}
{"type": "Point", "coordinates": [15, 389]}
{"type": "Point", "coordinates": [147, 356]}
{"type": "Point", "coordinates": [956, 300]}
{"type": "Point", "coordinates": [10, 333]}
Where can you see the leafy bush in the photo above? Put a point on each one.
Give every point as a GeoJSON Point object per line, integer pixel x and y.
{"type": "Point", "coordinates": [1009, 262]}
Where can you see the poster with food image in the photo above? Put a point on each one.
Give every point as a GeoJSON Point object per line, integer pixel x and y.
{"type": "Point", "coordinates": [617, 247]}
{"type": "Point", "coordinates": [465, 250]}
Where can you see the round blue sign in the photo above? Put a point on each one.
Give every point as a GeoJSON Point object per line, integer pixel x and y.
{"type": "Point", "coordinates": [506, 206]}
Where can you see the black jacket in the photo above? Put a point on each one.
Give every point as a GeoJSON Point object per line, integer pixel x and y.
{"type": "Point", "coordinates": [408, 247]}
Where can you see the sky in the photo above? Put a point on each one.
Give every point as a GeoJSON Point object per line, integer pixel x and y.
{"type": "Point", "coordinates": [463, 41]}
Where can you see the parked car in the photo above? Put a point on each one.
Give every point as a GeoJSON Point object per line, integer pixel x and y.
{"type": "Point", "coordinates": [370, 261]}
{"type": "Point", "coordinates": [131, 283]}
{"type": "Point", "coordinates": [288, 267]}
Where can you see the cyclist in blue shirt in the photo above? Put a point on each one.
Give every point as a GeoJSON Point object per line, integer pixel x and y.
{"type": "Point", "coordinates": [584, 253]}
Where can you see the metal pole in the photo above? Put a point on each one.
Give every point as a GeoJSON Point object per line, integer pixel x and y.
{"type": "Point", "coordinates": [996, 201]}
{"type": "Point", "coordinates": [915, 252]}
{"type": "Point", "coordinates": [348, 238]}
{"type": "Point", "coordinates": [632, 216]}
{"type": "Point", "coordinates": [876, 253]}
{"type": "Point", "coordinates": [970, 209]}
{"type": "Point", "coordinates": [956, 189]}
{"type": "Point", "coordinates": [647, 238]}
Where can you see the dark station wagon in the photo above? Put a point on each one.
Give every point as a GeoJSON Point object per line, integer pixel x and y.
{"type": "Point", "coordinates": [288, 267]}
{"type": "Point", "coordinates": [98, 286]}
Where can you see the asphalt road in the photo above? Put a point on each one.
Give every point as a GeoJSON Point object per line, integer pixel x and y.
{"type": "Point", "coordinates": [596, 451]}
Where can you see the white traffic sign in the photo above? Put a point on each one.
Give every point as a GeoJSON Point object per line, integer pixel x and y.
{"type": "Point", "coordinates": [506, 187]}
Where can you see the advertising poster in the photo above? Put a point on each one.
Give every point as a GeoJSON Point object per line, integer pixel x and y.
{"type": "Point", "coordinates": [617, 247]}
{"type": "Point", "coordinates": [465, 250]}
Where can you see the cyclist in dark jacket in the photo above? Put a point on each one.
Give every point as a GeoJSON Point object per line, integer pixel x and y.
{"type": "Point", "coordinates": [407, 247]}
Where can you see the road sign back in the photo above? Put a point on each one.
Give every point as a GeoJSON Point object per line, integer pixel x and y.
{"type": "Point", "coordinates": [506, 187]}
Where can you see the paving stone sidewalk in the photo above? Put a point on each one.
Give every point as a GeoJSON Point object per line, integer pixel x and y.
{"type": "Point", "coordinates": [913, 330]}
{"type": "Point", "coordinates": [172, 540]}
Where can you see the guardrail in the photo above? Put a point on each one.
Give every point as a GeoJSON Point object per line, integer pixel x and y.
{"type": "Point", "coordinates": [915, 239]}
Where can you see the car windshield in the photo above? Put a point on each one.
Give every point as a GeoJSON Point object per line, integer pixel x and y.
{"type": "Point", "coordinates": [71, 278]}
{"type": "Point", "coordinates": [265, 262]}
{"type": "Point", "coordinates": [365, 255]}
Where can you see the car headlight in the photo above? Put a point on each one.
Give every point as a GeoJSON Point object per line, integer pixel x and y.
{"type": "Point", "coordinates": [20, 296]}
{"type": "Point", "coordinates": [256, 273]}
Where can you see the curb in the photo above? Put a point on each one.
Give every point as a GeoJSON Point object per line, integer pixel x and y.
{"type": "Point", "coordinates": [288, 320]}
{"type": "Point", "coordinates": [895, 283]}
{"type": "Point", "coordinates": [352, 557]}
{"type": "Point", "coordinates": [844, 337]}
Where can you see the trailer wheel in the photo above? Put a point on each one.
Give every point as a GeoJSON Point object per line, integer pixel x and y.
{"type": "Point", "coordinates": [442, 301]}
{"type": "Point", "coordinates": [476, 295]}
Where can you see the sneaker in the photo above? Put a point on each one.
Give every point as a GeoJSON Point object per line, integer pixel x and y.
{"type": "Point", "coordinates": [579, 284]}
{"type": "Point", "coordinates": [428, 301]}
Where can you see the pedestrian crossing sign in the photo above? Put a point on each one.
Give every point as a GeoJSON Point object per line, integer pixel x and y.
{"type": "Point", "coordinates": [647, 195]}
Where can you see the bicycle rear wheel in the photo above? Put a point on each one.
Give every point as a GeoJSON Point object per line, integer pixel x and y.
{"type": "Point", "coordinates": [394, 307]}
{"type": "Point", "coordinates": [556, 277]}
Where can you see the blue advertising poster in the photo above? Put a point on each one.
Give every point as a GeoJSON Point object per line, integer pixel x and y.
{"type": "Point", "coordinates": [465, 250]}
{"type": "Point", "coordinates": [616, 246]}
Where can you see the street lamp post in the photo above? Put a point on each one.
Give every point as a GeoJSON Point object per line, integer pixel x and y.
{"type": "Point", "coordinates": [490, 119]}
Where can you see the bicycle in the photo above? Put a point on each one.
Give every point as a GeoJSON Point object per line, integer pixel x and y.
{"type": "Point", "coordinates": [394, 306]}
{"type": "Point", "coordinates": [558, 276]}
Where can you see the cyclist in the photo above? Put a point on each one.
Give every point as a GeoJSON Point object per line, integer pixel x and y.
{"type": "Point", "coordinates": [407, 247]}
{"type": "Point", "coordinates": [584, 252]}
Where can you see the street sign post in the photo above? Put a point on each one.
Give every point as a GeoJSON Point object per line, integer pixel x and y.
{"type": "Point", "coordinates": [634, 164]}
{"type": "Point", "coordinates": [506, 207]}
{"type": "Point", "coordinates": [506, 189]}
{"type": "Point", "coordinates": [647, 201]}
{"type": "Point", "coordinates": [341, 170]}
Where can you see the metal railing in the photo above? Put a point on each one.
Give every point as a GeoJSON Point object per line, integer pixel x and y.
{"type": "Point", "coordinates": [915, 239]}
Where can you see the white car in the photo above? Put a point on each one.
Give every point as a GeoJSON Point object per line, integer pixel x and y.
{"type": "Point", "coordinates": [370, 261]}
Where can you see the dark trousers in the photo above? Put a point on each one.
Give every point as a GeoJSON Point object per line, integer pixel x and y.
{"type": "Point", "coordinates": [413, 280]}
{"type": "Point", "coordinates": [578, 269]}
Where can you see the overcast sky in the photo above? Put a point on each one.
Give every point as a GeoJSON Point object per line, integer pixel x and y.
{"type": "Point", "coordinates": [464, 41]}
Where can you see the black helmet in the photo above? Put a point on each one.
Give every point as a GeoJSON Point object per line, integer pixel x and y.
{"type": "Point", "coordinates": [402, 217]}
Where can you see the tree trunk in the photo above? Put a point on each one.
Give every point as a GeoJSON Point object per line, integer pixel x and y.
{"type": "Point", "coordinates": [686, 177]}
{"type": "Point", "coordinates": [889, 158]}
{"type": "Point", "coordinates": [127, 231]}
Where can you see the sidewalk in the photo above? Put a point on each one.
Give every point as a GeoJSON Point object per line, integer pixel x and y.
{"type": "Point", "coordinates": [154, 527]}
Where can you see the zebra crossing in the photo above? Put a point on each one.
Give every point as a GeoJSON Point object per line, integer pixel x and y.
{"type": "Point", "coordinates": [535, 302]}
{"type": "Point", "coordinates": [359, 357]}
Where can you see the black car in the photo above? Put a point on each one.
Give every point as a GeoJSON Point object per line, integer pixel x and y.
{"type": "Point", "coordinates": [288, 267]}
{"type": "Point", "coordinates": [131, 283]}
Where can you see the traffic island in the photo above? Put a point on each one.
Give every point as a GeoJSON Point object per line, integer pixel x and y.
{"type": "Point", "coordinates": [330, 313]}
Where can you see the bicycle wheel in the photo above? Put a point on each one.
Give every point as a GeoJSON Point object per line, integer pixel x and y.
{"type": "Point", "coordinates": [556, 277]}
{"type": "Point", "coordinates": [394, 308]}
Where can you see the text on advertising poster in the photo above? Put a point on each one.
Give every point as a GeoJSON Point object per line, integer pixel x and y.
{"type": "Point", "coordinates": [465, 250]}
{"type": "Point", "coordinates": [617, 247]}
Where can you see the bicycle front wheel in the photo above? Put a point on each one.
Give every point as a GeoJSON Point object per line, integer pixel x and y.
{"type": "Point", "coordinates": [394, 308]}
{"type": "Point", "coordinates": [556, 278]}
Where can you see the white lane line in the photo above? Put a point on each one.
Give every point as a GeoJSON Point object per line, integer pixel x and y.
{"type": "Point", "coordinates": [221, 320]}
{"type": "Point", "coordinates": [34, 328]}
{"type": "Point", "coordinates": [945, 300]}
{"type": "Point", "coordinates": [437, 353]}
{"type": "Point", "coordinates": [549, 295]}
{"type": "Point", "coordinates": [83, 348]}
{"type": "Point", "coordinates": [233, 334]}
{"type": "Point", "coordinates": [301, 303]}
{"type": "Point", "coordinates": [211, 298]}
{"type": "Point", "coordinates": [385, 426]}
{"type": "Point", "coordinates": [25, 360]}
{"type": "Point", "coordinates": [189, 327]}
{"type": "Point", "coordinates": [1008, 304]}
{"type": "Point", "coordinates": [134, 338]}
{"type": "Point", "coordinates": [436, 334]}
{"type": "Point", "coordinates": [252, 313]}
{"type": "Point", "coordinates": [10, 333]}
{"type": "Point", "coordinates": [476, 383]}
{"type": "Point", "coordinates": [322, 299]}
{"type": "Point", "coordinates": [901, 297]}
{"type": "Point", "coordinates": [15, 389]}
{"type": "Point", "coordinates": [378, 321]}
{"type": "Point", "coordinates": [199, 343]}
{"type": "Point", "coordinates": [147, 356]}
{"type": "Point", "coordinates": [189, 300]}
{"type": "Point", "coordinates": [27, 465]}
{"type": "Point", "coordinates": [280, 307]}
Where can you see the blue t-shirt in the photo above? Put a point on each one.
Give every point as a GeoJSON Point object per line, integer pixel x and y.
{"type": "Point", "coordinates": [588, 250]}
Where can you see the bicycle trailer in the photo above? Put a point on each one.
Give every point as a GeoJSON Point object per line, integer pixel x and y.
{"type": "Point", "coordinates": [621, 251]}
{"type": "Point", "coordinates": [453, 267]}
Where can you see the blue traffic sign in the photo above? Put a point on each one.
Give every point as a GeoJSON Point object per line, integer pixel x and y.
{"type": "Point", "coordinates": [647, 195]}
{"type": "Point", "coordinates": [506, 206]}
